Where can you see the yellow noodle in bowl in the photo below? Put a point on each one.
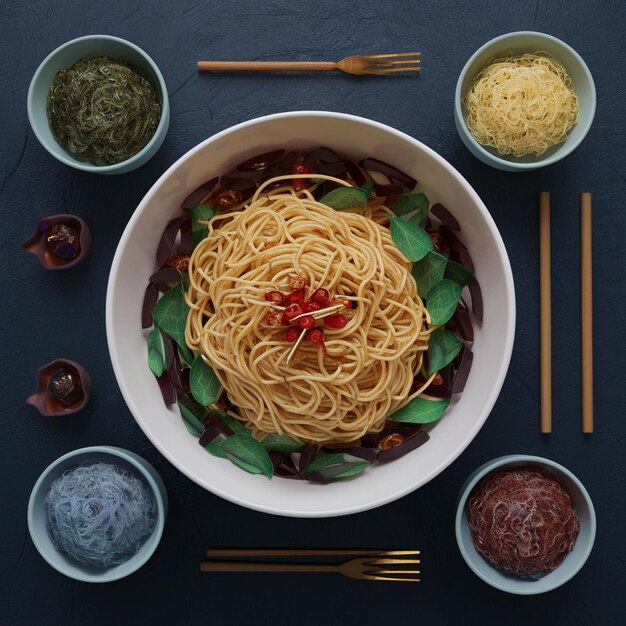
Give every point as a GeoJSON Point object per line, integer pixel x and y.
{"type": "Point", "coordinates": [521, 105]}
{"type": "Point", "coordinates": [368, 367]}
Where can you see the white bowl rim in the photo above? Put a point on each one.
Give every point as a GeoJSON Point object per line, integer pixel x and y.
{"type": "Point", "coordinates": [557, 156]}
{"type": "Point", "coordinates": [129, 457]}
{"type": "Point", "coordinates": [392, 495]}
{"type": "Point", "coordinates": [90, 167]}
{"type": "Point", "coordinates": [502, 461]}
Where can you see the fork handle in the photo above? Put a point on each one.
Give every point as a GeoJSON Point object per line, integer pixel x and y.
{"type": "Point", "coordinates": [233, 566]}
{"type": "Point", "coordinates": [265, 66]}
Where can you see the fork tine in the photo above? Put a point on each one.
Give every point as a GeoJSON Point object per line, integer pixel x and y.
{"type": "Point", "coordinates": [391, 578]}
{"type": "Point", "coordinates": [396, 571]}
{"type": "Point", "coordinates": [389, 56]}
{"type": "Point", "coordinates": [391, 561]}
{"type": "Point", "coordinates": [392, 63]}
{"type": "Point", "coordinates": [389, 71]}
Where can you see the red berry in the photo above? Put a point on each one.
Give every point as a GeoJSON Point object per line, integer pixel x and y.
{"type": "Point", "coordinates": [275, 296]}
{"type": "Point", "coordinates": [299, 169]}
{"type": "Point", "coordinates": [292, 334]}
{"type": "Point", "coordinates": [306, 322]}
{"type": "Point", "coordinates": [300, 183]}
{"type": "Point", "coordinates": [336, 321]}
{"type": "Point", "coordinates": [321, 296]}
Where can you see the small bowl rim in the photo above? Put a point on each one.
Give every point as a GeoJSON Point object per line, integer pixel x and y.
{"type": "Point", "coordinates": [541, 162]}
{"type": "Point", "coordinates": [86, 166]}
{"type": "Point", "coordinates": [129, 457]}
{"type": "Point", "coordinates": [487, 468]}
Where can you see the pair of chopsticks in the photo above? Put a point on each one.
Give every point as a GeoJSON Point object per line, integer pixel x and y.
{"type": "Point", "coordinates": [546, 313]}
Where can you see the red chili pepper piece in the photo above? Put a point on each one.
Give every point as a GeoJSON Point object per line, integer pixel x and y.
{"type": "Point", "coordinates": [300, 183]}
{"type": "Point", "coordinates": [275, 296]}
{"type": "Point", "coordinates": [316, 336]}
{"type": "Point", "coordinates": [292, 334]}
{"type": "Point", "coordinates": [296, 282]}
{"type": "Point", "coordinates": [336, 321]}
{"type": "Point", "coordinates": [321, 296]}
{"type": "Point", "coordinates": [306, 322]}
{"type": "Point", "coordinates": [296, 296]}
{"type": "Point", "coordinates": [310, 307]}
{"type": "Point", "coordinates": [272, 319]}
{"type": "Point", "coordinates": [292, 311]}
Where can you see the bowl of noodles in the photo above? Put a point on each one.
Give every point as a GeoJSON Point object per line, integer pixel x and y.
{"type": "Point", "coordinates": [313, 298]}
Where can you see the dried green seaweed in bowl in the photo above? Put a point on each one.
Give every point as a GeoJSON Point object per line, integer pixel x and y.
{"type": "Point", "coordinates": [102, 110]}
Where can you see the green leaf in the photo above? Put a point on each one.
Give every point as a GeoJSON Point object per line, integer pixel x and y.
{"type": "Point", "coordinates": [458, 273]}
{"type": "Point", "coordinates": [412, 241]}
{"type": "Point", "coordinates": [346, 198]}
{"type": "Point", "coordinates": [235, 425]}
{"type": "Point", "coordinates": [443, 346]}
{"type": "Point", "coordinates": [335, 466]}
{"type": "Point", "coordinates": [215, 446]}
{"type": "Point", "coordinates": [368, 186]}
{"type": "Point", "coordinates": [192, 416]}
{"type": "Point", "coordinates": [281, 443]}
{"type": "Point", "coordinates": [248, 454]}
{"type": "Point", "coordinates": [201, 212]}
{"type": "Point", "coordinates": [442, 300]}
{"type": "Point", "coordinates": [170, 314]}
{"type": "Point", "coordinates": [420, 411]}
{"type": "Point", "coordinates": [159, 354]}
{"type": "Point", "coordinates": [203, 383]}
{"type": "Point", "coordinates": [409, 203]}
{"type": "Point", "coordinates": [184, 352]}
{"type": "Point", "coordinates": [429, 271]}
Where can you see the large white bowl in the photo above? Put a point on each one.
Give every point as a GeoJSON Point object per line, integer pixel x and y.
{"type": "Point", "coordinates": [357, 137]}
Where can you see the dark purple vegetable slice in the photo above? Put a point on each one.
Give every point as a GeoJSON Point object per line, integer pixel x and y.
{"type": "Point", "coordinates": [282, 167]}
{"type": "Point", "coordinates": [388, 190]}
{"type": "Point", "coordinates": [260, 162]}
{"type": "Point", "coordinates": [362, 452]}
{"type": "Point", "coordinates": [199, 194]}
{"type": "Point", "coordinates": [370, 440]}
{"type": "Point", "coordinates": [239, 181]}
{"type": "Point", "coordinates": [219, 428]}
{"type": "Point", "coordinates": [176, 367]}
{"type": "Point", "coordinates": [307, 456]}
{"type": "Point", "coordinates": [444, 388]}
{"type": "Point", "coordinates": [166, 275]}
{"type": "Point", "coordinates": [322, 156]}
{"type": "Point", "coordinates": [355, 172]}
{"type": "Point", "coordinates": [186, 238]}
{"type": "Point", "coordinates": [462, 373]}
{"type": "Point", "coordinates": [463, 324]}
{"type": "Point", "coordinates": [276, 458]}
{"type": "Point", "coordinates": [458, 251]}
{"type": "Point", "coordinates": [168, 391]}
{"type": "Point", "coordinates": [391, 172]}
{"type": "Point", "coordinates": [166, 245]}
{"type": "Point", "coordinates": [413, 442]}
{"type": "Point", "coordinates": [288, 469]}
{"type": "Point", "coordinates": [477, 299]}
{"type": "Point", "coordinates": [149, 300]}
{"type": "Point", "coordinates": [446, 218]}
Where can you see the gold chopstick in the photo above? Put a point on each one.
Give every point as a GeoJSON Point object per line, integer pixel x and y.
{"type": "Point", "coordinates": [545, 312]}
{"type": "Point", "coordinates": [220, 552]}
{"type": "Point", "coordinates": [586, 312]}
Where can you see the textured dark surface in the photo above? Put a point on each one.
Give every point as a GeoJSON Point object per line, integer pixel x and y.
{"type": "Point", "coordinates": [61, 314]}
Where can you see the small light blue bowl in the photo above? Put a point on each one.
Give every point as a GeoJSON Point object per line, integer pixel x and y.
{"type": "Point", "coordinates": [65, 56]}
{"type": "Point", "coordinates": [37, 513]}
{"type": "Point", "coordinates": [573, 561]}
{"type": "Point", "coordinates": [519, 43]}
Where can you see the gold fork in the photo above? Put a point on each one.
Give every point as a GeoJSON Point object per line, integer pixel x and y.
{"type": "Point", "coordinates": [362, 64]}
{"type": "Point", "coordinates": [366, 567]}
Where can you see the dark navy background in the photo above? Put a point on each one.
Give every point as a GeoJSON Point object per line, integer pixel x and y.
{"type": "Point", "coordinates": [61, 314]}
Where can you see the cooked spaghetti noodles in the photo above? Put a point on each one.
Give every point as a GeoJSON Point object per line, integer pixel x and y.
{"type": "Point", "coordinates": [368, 367]}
